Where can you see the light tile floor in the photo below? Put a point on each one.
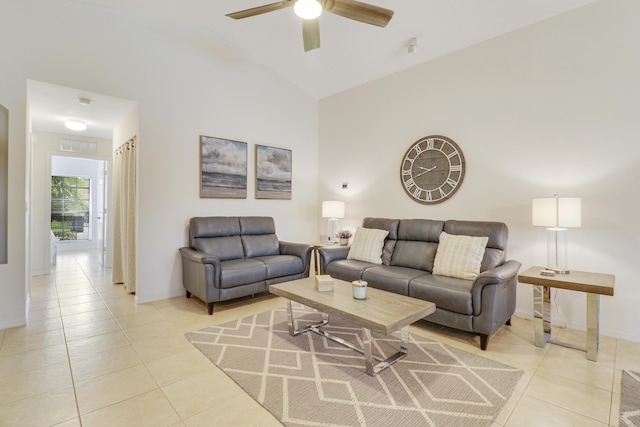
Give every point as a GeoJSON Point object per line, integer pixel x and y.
{"type": "Point", "coordinates": [91, 357]}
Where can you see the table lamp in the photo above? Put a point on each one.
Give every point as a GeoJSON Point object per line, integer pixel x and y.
{"type": "Point", "coordinates": [557, 213]}
{"type": "Point", "coordinates": [333, 210]}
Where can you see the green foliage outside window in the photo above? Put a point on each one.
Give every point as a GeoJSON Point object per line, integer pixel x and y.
{"type": "Point", "coordinates": [70, 197]}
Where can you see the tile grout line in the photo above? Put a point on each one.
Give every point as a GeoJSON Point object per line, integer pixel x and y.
{"type": "Point", "coordinates": [66, 346]}
{"type": "Point", "coordinates": [613, 384]}
{"type": "Point", "coordinates": [66, 342]}
{"type": "Point", "coordinates": [144, 363]}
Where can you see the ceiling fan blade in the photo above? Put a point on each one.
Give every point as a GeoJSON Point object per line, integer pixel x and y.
{"type": "Point", "coordinates": [359, 11]}
{"type": "Point", "coordinates": [260, 9]}
{"type": "Point", "coordinates": [311, 34]}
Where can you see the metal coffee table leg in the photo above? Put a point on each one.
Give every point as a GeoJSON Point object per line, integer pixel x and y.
{"type": "Point", "coordinates": [292, 329]}
{"type": "Point", "coordinates": [370, 366]}
{"type": "Point", "coordinates": [372, 369]}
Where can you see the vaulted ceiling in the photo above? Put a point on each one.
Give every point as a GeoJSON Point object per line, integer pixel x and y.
{"type": "Point", "coordinates": [351, 52]}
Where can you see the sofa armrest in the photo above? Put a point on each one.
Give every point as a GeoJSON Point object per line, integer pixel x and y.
{"type": "Point", "coordinates": [498, 274]}
{"type": "Point", "coordinates": [201, 275]}
{"type": "Point", "coordinates": [502, 275]}
{"type": "Point", "coordinates": [199, 257]}
{"type": "Point", "coordinates": [301, 250]}
{"type": "Point", "coordinates": [331, 253]}
{"type": "Point", "coordinates": [297, 249]}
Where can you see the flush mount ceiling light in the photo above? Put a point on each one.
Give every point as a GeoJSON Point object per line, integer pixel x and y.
{"type": "Point", "coordinates": [76, 125]}
{"type": "Point", "coordinates": [307, 9]}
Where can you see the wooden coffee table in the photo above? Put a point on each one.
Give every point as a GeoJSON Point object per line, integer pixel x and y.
{"type": "Point", "coordinates": [382, 312]}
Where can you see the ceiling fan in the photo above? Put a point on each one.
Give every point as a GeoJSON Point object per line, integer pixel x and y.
{"type": "Point", "coordinates": [310, 10]}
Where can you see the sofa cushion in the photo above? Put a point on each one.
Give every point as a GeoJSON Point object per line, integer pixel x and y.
{"type": "Point", "coordinates": [391, 225]}
{"type": "Point", "coordinates": [459, 256]}
{"type": "Point", "coordinates": [417, 243]}
{"type": "Point", "coordinates": [448, 293]}
{"type": "Point", "coordinates": [367, 245]}
{"type": "Point", "coordinates": [496, 252]}
{"type": "Point", "coordinates": [224, 248]}
{"type": "Point", "coordinates": [256, 225]}
{"type": "Point", "coordinates": [282, 265]}
{"type": "Point", "coordinates": [422, 230]}
{"type": "Point", "coordinates": [347, 269]}
{"type": "Point", "coordinates": [218, 226]}
{"type": "Point", "coordinates": [391, 279]}
{"type": "Point", "coordinates": [237, 272]}
{"type": "Point", "coordinates": [260, 245]}
{"type": "Point", "coordinates": [413, 254]}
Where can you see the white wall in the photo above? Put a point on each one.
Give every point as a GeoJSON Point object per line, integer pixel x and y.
{"type": "Point", "coordinates": [45, 146]}
{"type": "Point", "coordinates": [4, 184]}
{"type": "Point", "coordinates": [552, 108]}
{"type": "Point", "coordinates": [183, 91]}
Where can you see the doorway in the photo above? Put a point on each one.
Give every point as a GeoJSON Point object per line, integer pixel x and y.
{"type": "Point", "coordinates": [106, 119]}
{"type": "Point", "coordinates": [78, 208]}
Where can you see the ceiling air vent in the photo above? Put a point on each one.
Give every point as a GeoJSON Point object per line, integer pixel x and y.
{"type": "Point", "coordinates": [79, 146]}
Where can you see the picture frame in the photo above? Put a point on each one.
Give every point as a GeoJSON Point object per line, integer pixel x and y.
{"type": "Point", "coordinates": [223, 168]}
{"type": "Point", "coordinates": [273, 172]}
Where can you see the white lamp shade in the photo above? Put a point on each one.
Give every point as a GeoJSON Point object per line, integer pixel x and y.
{"type": "Point", "coordinates": [332, 209]}
{"type": "Point", "coordinates": [557, 212]}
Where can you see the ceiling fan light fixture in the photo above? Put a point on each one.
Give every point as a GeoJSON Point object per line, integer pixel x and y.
{"type": "Point", "coordinates": [307, 9]}
{"type": "Point", "coordinates": [76, 125]}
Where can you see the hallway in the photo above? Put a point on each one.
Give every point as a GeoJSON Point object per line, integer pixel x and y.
{"type": "Point", "coordinates": [91, 357]}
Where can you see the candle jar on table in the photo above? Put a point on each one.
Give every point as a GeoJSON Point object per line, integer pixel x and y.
{"type": "Point", "coordinates": [359, 289]}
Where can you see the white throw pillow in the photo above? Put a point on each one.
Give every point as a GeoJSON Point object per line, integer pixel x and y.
{"type": "Point", "coordinates": [459, 256]}
{"type": "Point", "coordinates": [367, 245]}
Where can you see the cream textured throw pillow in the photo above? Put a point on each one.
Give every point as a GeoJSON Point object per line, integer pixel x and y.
{"type": "Point", "coordinates": [367, 245]}
{"type": "Point", "coordinates": [459, 256]}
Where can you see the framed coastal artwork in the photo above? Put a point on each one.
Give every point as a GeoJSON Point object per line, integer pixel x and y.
{"type": "Point", "coordinates": [223, 168]}
{"type": "Point", "coordinates": [273, 173]}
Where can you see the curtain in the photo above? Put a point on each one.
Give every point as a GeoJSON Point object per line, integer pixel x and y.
{"type": "Point", "coordinates": [124, 210]}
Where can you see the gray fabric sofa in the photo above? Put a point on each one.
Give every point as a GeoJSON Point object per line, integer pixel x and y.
{"type": "Point", "coordinates": [481, 306]}
{"type": "Point", "coordinates": [232, 257]}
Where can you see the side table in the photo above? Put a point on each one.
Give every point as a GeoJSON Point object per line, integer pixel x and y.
{"type": "Point", "coordinates": [593, 284]}
{"type": "Point", "coordinates": [316, 257]}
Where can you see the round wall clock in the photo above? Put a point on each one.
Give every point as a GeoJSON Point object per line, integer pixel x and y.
{"type": "Point", "coordinates": [432, 169]}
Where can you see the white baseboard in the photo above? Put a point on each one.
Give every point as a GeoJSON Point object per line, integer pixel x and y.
{"type": "Point", "coordinates": [159, 297]}
{"type": "Point", "coordinates": [13, 323]}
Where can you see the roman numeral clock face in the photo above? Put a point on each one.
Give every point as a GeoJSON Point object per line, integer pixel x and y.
{"type": "Point", "coordinates": [432, 169]}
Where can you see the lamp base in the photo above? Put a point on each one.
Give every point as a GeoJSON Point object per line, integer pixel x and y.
{"type": "Point", "coordinates": [557, 250]}
{"type": "Point", "coordinates": [333, 230]}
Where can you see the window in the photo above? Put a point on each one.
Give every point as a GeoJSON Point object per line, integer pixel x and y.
{"type": "Point", "coordinates": [70, 201]}
{"type": "Point", "coordinates": [79, 146]}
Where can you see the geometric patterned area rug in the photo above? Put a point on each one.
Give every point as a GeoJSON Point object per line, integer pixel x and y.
{"type": "Point", "coordinates": [630, 399]}
{"type": "Point", "coordinates": [308, 380]}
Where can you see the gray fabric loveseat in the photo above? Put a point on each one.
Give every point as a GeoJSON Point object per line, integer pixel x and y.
{"type": "Point", "coordinates": [481, 304]}
{"type": "Point", "coordinates": [232, 257]}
